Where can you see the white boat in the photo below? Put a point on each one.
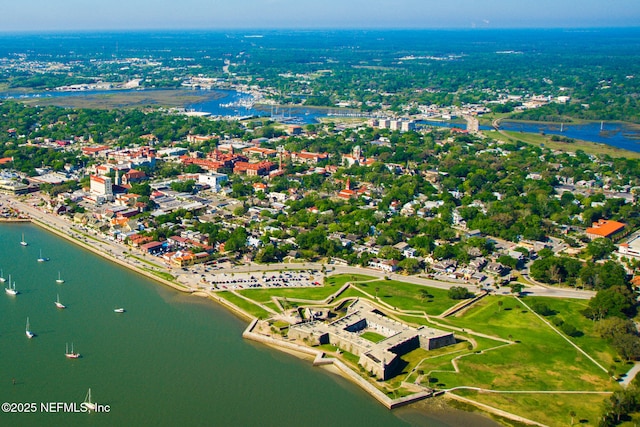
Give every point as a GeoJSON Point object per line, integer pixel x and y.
{"type": "Point", "coordinates": [59, 304]}
{"type": "Point", "coordinates": [11, 290]}
{"type": "Point", "coordinates": [42, 259]}
{"type": "Point", "coordinates": [23, 242]}
{"type": "Point", "coordinates": [73, 354]}
{"type": "Point", "coordinates": [59, 279]}
{"type": "Point", "coordinates": [27, 330]}
{"type": "Point", "coordinates": [88, 403]}
{"type": "Point", "coordinates": [2, 279]}
{"type": "Point", "coordinates": [119, 310]}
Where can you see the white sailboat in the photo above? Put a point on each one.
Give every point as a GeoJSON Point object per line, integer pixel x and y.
{"type": "Point", "coordinates": [88, 403]}
{"type": "Point", "coordinates": [59, 279]}
{"type": "Point", "coordinates": [72, 355]}
{"type": "Point", "coordinates": [59, 304]}
{"type": "Point", "coordinates": [28, 332]}
{"type": "Point", "coordinates": [2, 279]}
{"type": "Point", "coordinates": [11, 290]}
{"type": "Point", "coordinates": [23, 242]}
{"type": "Point", "coordinates": [42, 259]}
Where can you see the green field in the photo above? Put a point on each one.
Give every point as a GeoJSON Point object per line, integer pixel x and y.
{"type": "Point", "coordinates": [552, 410]}
{"type": "Point", "coordinates": [569, 312]}
{"type": "Point", "coordinates": [372, 336]}
{"type": "Point", "coordinates": [317, 293]}
{"type": "Point", "coordinates": [539, 360]}
{"type": "Point", "coordinates": [341, 279]}
{"type": "Point", "coordinates": [245, 305]}
{"type": "Point", "coordinates": [527, 355]}
{"type": "Point", "coordinates": [406, 296]}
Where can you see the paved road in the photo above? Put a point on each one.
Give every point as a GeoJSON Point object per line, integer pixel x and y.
{"type": "Point", "coordinates": [120, 251]}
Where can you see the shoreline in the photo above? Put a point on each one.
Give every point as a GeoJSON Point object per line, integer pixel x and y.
{"type": "Point", "coordinates": [317, 357]}
{"type": "Point", "coordinates": [110, 257]}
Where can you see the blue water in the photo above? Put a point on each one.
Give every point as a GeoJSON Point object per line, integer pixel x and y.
{"type": "Point", "coordinates": [613, 134]}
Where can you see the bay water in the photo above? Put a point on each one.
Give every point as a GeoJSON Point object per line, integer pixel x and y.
{"type": "Point", "coordinates": [169, 359]}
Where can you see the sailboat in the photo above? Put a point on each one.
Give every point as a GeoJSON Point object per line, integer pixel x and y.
{"type": "Point", "coordinates": [28, 332]}
{"type": "Point", "coordinates": [23, 242]}
{"type": "Point", "coordinates": [2, 279]}
{"type": "Point", "coordinates": [41, 259]}
{"type": "Point", "coordinates": [59, 304]}
{"type": "Point", "coordinates": [59, 279]}
{"type": "Point", "coordinates": [72, 355]}
{"type": "Point", "coordinates": [88, 403]}
{"type": "Point", "coordinates": [11, 290]}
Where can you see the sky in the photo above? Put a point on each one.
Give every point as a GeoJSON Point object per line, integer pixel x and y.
{"type": "Point", "coordinates": [71, 15]}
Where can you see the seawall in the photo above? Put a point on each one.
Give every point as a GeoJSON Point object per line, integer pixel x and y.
{"type": "Point", "coordinates": [343, 369]}
{"type": "Point", "coordinates": [107, 256]}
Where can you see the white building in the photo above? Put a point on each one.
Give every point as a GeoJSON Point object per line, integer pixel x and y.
{"type": "Point", "coordinates": [214, 180]}
{"type": "Point", "coordinates": [102, 186]}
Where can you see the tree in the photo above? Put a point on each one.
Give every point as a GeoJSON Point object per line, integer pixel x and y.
{"type": "Point", "coordinates": [237, 240]}
{"type": "Point", "coordinates": [410, 265]}
{"type": "Point", "coordinates": [508, 261]}
{"type": "Point", "coordinates": [459, 292]}
{"type": "Point", "coordinates": [600, 248]}
{"type": "Point", "coordinates": [424, 294]}
{"type": "Point", "coordinates": [516, 288]}
{"type": "Point", "coordinates": [183, 186]}
{"type": "Point", "coordinates": [616, 301]}
{"type": "Point", "coordinates": [627, 345]}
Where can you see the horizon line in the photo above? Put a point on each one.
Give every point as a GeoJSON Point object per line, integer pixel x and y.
{"type": "Point", "coordinates": [312, 29]}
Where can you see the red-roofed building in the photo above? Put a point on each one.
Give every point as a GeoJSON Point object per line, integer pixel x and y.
{"type": "Point", "coordinates": [262, 153]}
{"type": "Point", "coordinates": [95, 151]}
{"type": "Point", "coordinates": [347, 192]}
{"type": "Point", "coordinates": [259, 186]}
{"type": "Point", "coordinates": [605, 228]}
{"type": "Point", "coordinates": [308, 158]}
{"type": "Point", "coordinates": [199, 138]}
{"type": "Point", "coordinates": [133, 176]}
{"type": "Point", "coordinates": [151, 246]}
{"type": "Point", "coordinates": [253, 169]}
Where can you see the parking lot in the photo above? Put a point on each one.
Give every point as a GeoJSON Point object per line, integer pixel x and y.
{"type": "Point", "coordinates": [257, 280]}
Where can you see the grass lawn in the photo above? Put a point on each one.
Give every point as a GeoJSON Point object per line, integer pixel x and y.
{"type": "Point", "coordinates": [245, 305]}
{"type": "Point", "coordinates": [569, 312]}
{"type": "Point", "coordinates": [341, 279]}
{"type": "Point", "coordinates": [352, 293]}
{"type": "Point", "coordinates": [541, 360]}
{"type": "Point", "coordinates": [372, 336]}
{"type": "Point", "coordinates": [163, 275]}
{"type": "Point", "coordinates": [327, 347]}
{"type": "Point", "coordinates": [316, 293]}
{"type": "Point", "coordinates": [552, 409]}
{"type": "Point", "coordinates": [406, 296]}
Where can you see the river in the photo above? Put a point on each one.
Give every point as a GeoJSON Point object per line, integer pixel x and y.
{"type": "Point", "coordinates": [615, 134]}
{"type": "Point", "coordinates": [170, 359]}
